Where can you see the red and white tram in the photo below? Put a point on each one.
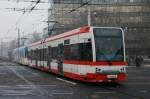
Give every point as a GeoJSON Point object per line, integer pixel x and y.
{"type": "Point", "coordinates": [89, 54]}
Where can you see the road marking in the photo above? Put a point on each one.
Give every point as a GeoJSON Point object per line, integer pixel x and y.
{"type": "Point", "coordinates": [143, 91]}
{"type": "Point", "coordinates": [70, 82]}
{"type": "Point", "coordinates": [33, 73]}
{"type": "Point", "coordinates": [9, 92]}
{"type": "Point", "coordinates": [15, 91]}
{"type": "Point", "coordinates": [3, 73]}
{"type": "Point", "coordinates": [21, 77]}
{"type": "Point", "coordinates": [62, 93]}
{"type": "Point", "coordinates": [138, 83]}
{"type": "Point", "coordinates": [20, 94]}
{"type": "Point", "coordinates": [109, 92]}
{"type": "Point", "coordinates": [3, 86]}
{"type": "Point", "coordinates": [147, 65]}
{"type": "Point", "coordinates": [26, 86]}
{"type": "Point", "coordinates": [47, 85]}
{"type": "Point", "coordinates": [144, 66]}
{"type": "Point", "coordinates": [27, 81]}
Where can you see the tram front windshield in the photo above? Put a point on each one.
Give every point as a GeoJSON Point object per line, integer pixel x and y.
{"type": "Point", "coordinates": [109, 44]}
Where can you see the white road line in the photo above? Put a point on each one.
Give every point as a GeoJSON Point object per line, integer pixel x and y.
{"type": "Point", "coordinates": [145, 66]}
{"type": "Point", "coordinates": [36, 85]}
{"type": "Point", "coordinates": [62, 93]}
{"type": "Point", "coordinates": [103, 92]}
{"type": "Point", "coordinates": [3, 86]}
{"type": "Point", "coordinates": [22, 94]}
{"type": "Point", "coordinates": [138, 83]}
{"type": "Point", "coordinates": [70, 82]}
{"type": "Point", "coordinates": [27, 81]}
{"type": "Point", "coordinates": [21, 77]}
{"type": "Point", "coordinates": [3, 73]}
{"type": "Point", "coordinates": [33, 73]}
{"type": "Point", "coordinates": [47, 85]}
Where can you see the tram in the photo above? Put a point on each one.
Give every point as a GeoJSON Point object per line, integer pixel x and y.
{"type": "Point", "coordinates": [88, 54]}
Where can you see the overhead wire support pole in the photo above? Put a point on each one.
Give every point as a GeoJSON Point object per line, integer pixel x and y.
{"type": "Point", "coordinates": [89, 14]}
{"type": "Point", "coordinates": [18, 42]}
{"type": "Point", "coordinates": [18, 37]}
{"type": "Point", "coordinates": [1, 47]}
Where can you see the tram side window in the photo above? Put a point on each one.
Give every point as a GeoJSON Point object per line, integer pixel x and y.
{"type": "Point", "coordinates": [71, 52]}
{"type": "Point", "coordinates": [49, 52]}
{"type": "Point", "coordinates": [29, 55]}
{"type": "Point", "coordinates": [67, 52]}
{"type": "Point", "coordinates": [54, 52]}
{"type": "Point", "coordinates": [45, 54]}
{"type": "Point", "coordinates": [86, 52]}
{"type": "Point", "coordinates": [42, 54]}
{"type": "Point", "coordinates": [38, 54]}
{"type": "Point", "coordinates": [74, 51]}
{"type": "Point", "coordinates": [81, 51]}
{"type": "Point", "coordinates": [35, 54]}
{"type": "Point", "coordinates": [26, 53]}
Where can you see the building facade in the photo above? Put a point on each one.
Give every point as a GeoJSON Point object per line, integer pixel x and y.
{"type": "Point", "coordinates": [133, 14]}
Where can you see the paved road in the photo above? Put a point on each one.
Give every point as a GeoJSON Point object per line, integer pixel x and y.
{"type": "Point", "coordinates": [19, 82]}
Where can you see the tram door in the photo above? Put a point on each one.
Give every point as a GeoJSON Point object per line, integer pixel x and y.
{"type": "Point", "coordinates": [40, 57]}
{"type": "Point", "coordinates": [49, 58]}
{"type": "Point", "coordinates": [60, 58]}
{"type": "Point", "coordinates": [36, 60]}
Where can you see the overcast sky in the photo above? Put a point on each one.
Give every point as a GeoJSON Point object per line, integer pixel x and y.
{"type": "Point", "coordinates": [28, 23]}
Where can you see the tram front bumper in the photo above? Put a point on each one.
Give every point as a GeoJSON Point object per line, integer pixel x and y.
{"type": "Point", "coordinates": [105, 77]}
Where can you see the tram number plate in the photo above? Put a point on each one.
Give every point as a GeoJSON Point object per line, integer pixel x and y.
{"type": "Point", "coordinates": [111, 76]}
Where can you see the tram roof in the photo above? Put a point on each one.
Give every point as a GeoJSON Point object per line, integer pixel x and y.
{"type": "Point", "coordinates": [84, 29]}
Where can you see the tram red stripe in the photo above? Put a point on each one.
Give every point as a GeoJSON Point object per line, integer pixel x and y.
{"type": "Point", "coordinates": [94, 63]}
{"type": "Point", "coordinates": [93, 77]}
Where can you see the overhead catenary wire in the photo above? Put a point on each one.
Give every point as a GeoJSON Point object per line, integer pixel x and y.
{"type": "Point", "coordinates": [36, 3]}
{"type": "Point", "coordinates": [39, 1]}
{"type": "Point", "coordinates": [30, 1]}
{"type": "Point", "coordinates": [13, 26]}
{"type": "Point", "coordinates": [20, 18]}
{"type": "Point", "coordinates": [34, 6]}
{"type": "Point", "coordinates": [75, 9]}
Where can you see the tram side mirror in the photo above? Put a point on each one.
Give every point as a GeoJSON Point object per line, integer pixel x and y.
{"type": "Point", "coordinates": [87, 40]}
